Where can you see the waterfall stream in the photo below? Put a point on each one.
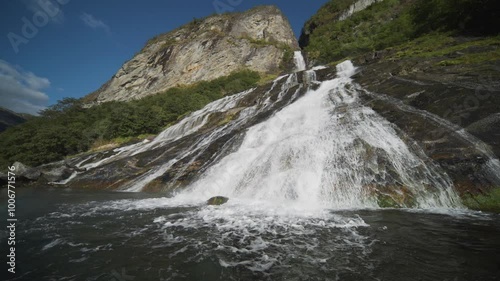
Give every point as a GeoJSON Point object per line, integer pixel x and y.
{"type": "Point", "coordinates": [302, 142]}
{"type": "Point", "coordinates": [329, 150]}
{"type": "Point", "coordinates": [308, 169]}
{"type": "Point", "coordinates": [300, 63]}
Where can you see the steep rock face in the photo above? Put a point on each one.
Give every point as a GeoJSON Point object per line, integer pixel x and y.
{"type": "Point", "coordinates": [259, 40]}
{"type": "Point", "coordinates": [450, 111]}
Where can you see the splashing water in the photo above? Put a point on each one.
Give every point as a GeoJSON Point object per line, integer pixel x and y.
{"type": "Point", "coordinates": [328, 150]}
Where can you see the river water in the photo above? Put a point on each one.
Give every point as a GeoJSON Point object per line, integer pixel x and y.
{"type": "Point", "coordinates": [65, 234]}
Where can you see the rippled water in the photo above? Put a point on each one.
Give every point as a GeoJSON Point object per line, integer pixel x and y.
{"type": "Point", "coordinates": [76, 235]}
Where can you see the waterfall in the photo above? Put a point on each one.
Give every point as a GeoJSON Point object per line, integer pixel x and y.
{"type": "Point", "coordinates": [300, 63]}
{"type": "Point", "coordinates": [292, 144]}
{"type": "Point", "coordinates": [328, 149]}
{"type": "Point", "coordinates": [194, 122]}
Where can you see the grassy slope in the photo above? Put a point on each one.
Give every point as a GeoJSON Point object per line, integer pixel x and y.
{"type": "Point", "coordinates": [450, 49]}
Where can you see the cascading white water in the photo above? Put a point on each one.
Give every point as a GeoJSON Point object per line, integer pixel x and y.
{"type": "Point", "coordinates": [324, 149]}
{"type": "Point", "coordinates": [327, 150]}
{"type": "Point", "coordinates": [300, 63]}
{"type": "Point", "coordinates": [186, 126]}
{"type": "Point", "coordinates": [196, 121]}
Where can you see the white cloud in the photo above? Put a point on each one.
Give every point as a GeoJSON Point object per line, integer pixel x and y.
{"type": "Point", "coordinates": [94, 23]}
{"type": "Point", "coordinates": [21, 91]}
{"type": "Point", "coordinates": [49, 7]}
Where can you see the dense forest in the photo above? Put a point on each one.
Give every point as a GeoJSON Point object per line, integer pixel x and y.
{"type": "Point", "coordinates": [68, 127]}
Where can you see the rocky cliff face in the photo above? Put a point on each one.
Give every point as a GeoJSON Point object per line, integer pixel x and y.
{"type": "Point", "coordinates": [259, 39]}
{"type": "Point", "coordinates": [451, 112]}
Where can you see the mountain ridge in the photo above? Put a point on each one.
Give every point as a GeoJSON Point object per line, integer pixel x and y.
{"type": "Point", "coordinates": [260, 39]}
{"type": "Point", "coordinates": [9, 118]}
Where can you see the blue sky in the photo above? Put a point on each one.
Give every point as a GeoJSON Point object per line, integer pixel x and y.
{"type": "Point", "coordinates": [50, 49]}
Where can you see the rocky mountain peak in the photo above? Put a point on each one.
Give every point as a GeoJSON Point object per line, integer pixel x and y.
{"type": "Point", "coordinates": [260, 39]}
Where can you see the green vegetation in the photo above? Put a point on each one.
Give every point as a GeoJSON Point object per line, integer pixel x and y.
{"type": "Point", "coordinates": [287, 60]}
{"type": "Point", "coordinates": [68, 128]}
{"type": "Point", "coordinates": [394, 22]}
{"type": "Point", "coordinates": [493, 55]}
{"type": "Point", "coordinates": [469, 17]}
{"type": "Point", "coordinates": [443, 44]}
{"type": "Point", "coordinates": [258, 42]}
{"type": "Point", "coordinates": [386, 201]}
{"type": "Point", "coordinates": [489, 202]}
{"type": "Point", "coordinates": [452, 50]}
{"type": "Point", "coordinates": [395, 197]}
{"type": "Point", "coordinates": [228, 118]}
{"type": "Point", "coordinates": [380, 26]}
{"type": "Point", "coordinates": [102, 144]}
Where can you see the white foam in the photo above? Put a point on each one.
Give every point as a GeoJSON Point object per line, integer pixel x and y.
{"type": "Point", "coordinates": [346, 69]}
{"type": "Point", "coordinates": [53, 244]}
{"type": "Point", "coordinates": [260, 232]}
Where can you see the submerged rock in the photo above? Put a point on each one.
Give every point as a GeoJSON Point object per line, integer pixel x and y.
{"type": "Point", "coordinates": [217, 200]}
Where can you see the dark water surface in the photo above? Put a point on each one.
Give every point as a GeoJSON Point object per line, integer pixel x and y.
{"type": "Point", "coordinates": [77, 235]}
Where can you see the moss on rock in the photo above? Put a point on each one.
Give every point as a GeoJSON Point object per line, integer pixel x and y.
{"type": "Point", "coordinates": [217, 200]}
{"type": "Point", "coordinates": [488, 202]}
